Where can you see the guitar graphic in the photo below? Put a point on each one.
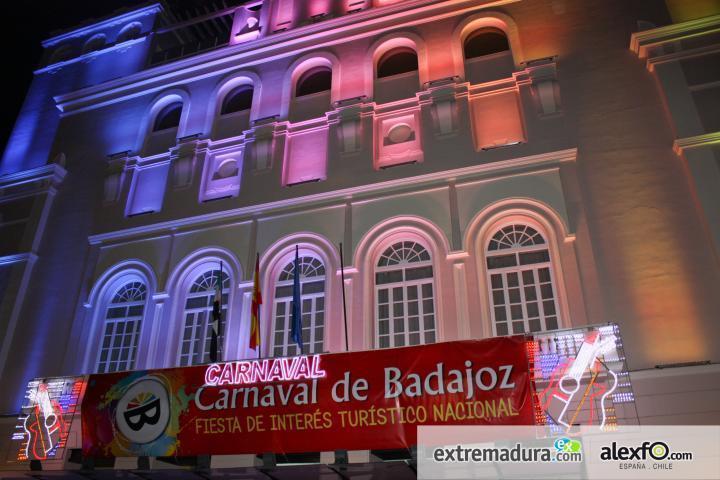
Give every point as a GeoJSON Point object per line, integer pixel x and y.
{"type": "Point", "coordinates": [570, 389]}
{"type": "Point", "coordinates": [44, 425]}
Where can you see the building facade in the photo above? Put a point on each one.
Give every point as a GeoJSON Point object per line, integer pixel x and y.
{"type": "Point", "coordinates": [489, 167]}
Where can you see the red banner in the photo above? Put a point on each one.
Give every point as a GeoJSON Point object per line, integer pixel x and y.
{"type": "Point", "coordinates": [353, 401]}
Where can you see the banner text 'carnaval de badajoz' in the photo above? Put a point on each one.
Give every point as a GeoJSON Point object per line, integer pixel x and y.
{"type": "Point", "coordinates": [356, 400]}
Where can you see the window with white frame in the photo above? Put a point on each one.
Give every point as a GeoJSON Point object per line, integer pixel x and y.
{"type": "Point", "coordinates": [404, 296]}
{"type": "Point", "coordinates": [312, 296]}
{"type": "Point", "coordinates": [520, 281]}
{"type": "Point", "coordinates": [195, 346]}
{"type": "Point", "coordinates": [123, 318]}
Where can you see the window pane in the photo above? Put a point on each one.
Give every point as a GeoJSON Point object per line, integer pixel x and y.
{"type": "Point", "coordinates": [501, 261]}
{"type": "Point", "coordinates": [394, 276]}
{"type": "Point", "coordinates": [284, 292]}
{"type": "Point", "coordinates": [196, 303]}
{"type": "Point", "coordinates": [496, 281]}
{"type": "Point", "coordinates": [528, 258]}
{"type": "Point", "coordinates": [512, 279]}
{"type": "Point", "coordinates": [117, 312]}
{"type": "Point", "coordinates": [428, 306]}
{"type": "Point", "coordinates": [418, 273]}
{"type": "Point", "coordinates": [313, 287]}
{"type": "Point", "coordinates": [498, 297]}
{"type": "Point", "coordinates": [549, 307]}
{"type": "Point", "coordinates": [501, 328]}
{"type": "Point", "coordinates": [544, 274]}
{"type": "Point", "coordinates": [412, 292]}
{"type": "Point", "coordinates": [382, 296]}
{"type": "Point", "coordinates": [530, 293]}
{"type": "Point", "coordinates": [383, 327]}
{"type": "Point", "coordinates": [414, 324]}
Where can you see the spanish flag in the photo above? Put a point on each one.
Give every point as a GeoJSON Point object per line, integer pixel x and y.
{"type": "Point", "coordinates": [256, 302]}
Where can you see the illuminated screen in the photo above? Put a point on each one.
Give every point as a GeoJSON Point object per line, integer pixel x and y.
{"type": "Point", "coordinates": [581, 378]}
{"type": "Point", "coordinates": [46, 416]}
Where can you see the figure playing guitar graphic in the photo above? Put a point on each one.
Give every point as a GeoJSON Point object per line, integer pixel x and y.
{"type": "Point", "coordinates": [571, 397]}
{"type": "Point", "coordinates": [44, 425]}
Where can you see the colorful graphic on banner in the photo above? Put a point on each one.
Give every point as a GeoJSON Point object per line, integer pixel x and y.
{"type": "Point", "coordinates": [46, 415]}
{"type": "Point", "coordinates": [357, 400]}
{"type": "Point", "coordinates": [581, 378]}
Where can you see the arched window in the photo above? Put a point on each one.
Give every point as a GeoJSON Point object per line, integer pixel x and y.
{"type": "Point", "coordinates": [237, 100]}
{"type": "Point", "coordinates": [397, 61]}
{"type": "Point", "coordinates": [96, 42]}
{"type": "Point", "coordinates": [168, 117]}
{"type": "Point", "coordinates": [312, 294]}
{"type": "Point", "coordinates": [404, 296]}
{"type": "Point", "coordinates": [485, 41]}
{"type": "Point", "coordinates": [123, 318]}
{"type": "Point", "coordinates": [195, 347]}
{"type": "Point", "coordinates": [315, 80]}
{"type": "Point", "coordinates": [520, 279]}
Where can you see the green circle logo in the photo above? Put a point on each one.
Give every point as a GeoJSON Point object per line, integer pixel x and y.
{"type": "Point", "coordinates": [658, 450]}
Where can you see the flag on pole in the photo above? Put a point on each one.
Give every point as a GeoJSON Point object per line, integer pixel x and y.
{"type": "Point", "coordinates": [256, 302]}
{"type": "Point", "coordinates": [296, 333]}
{"type": "Point", "coordinates": [216, 312]}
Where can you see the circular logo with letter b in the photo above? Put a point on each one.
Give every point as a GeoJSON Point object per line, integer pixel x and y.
{"type": "Point", "coordinates": [143, 412]}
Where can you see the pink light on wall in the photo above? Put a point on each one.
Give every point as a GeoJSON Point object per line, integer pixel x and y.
{"type": "Point", "coordinates": [382, 3]}
{"type": "Point", "coordinates": [318, 7]}
{"type": "Point", "coordinates": [496, 120]}
{"type": "Point", "coordinates": [284, 15]}
{"type": "Point", "coordinates": [306, 157]}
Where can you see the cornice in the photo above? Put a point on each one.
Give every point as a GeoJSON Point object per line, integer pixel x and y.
{"type": "Point", "coordinates": [687, 143]}
{"type": "Point", "coordinates": [641, 42]}
{"type": "Point", "coordinates": [432, 180]}
{"type": "Point", "coordinates": [87, 29]}
{"type": "Point", "coordinates": [52, 171]}
{"type": "Point", "coordinates": [275, 46]}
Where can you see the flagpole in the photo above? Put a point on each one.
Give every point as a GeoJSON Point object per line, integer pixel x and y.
{"type": "Point", "coordinates": [342, 279]}
{"type": "Point", "coordinates": [219, 334]}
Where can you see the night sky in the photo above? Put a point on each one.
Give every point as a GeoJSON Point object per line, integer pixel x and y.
{"type": "Point", "coordinates": [26, 25]}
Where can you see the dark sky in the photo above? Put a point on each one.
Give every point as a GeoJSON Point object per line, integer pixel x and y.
{"type": "Point", "coordinates": [26, 24]}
